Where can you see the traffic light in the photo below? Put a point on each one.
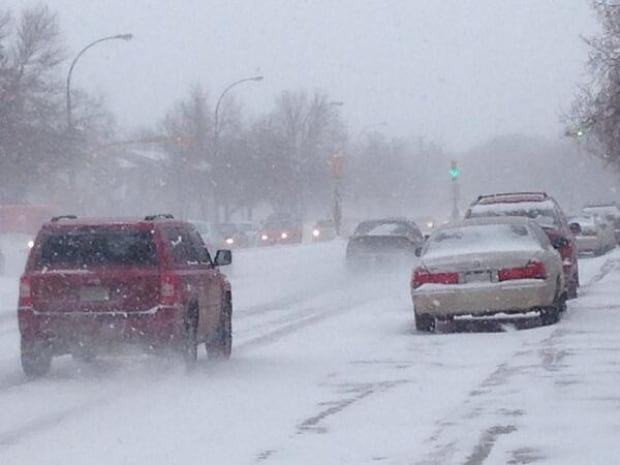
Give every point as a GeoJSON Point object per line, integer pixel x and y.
{"type": "Point", "coordinates": [454, 170]}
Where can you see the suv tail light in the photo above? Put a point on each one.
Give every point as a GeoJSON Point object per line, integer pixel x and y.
{"type": "Point", "coordinates": [25, 295]}
{"type": "Point", "coordinates": [422, 276]}
{"type": "Point", "coordinates": [169, 287]}
{"type": "Point", "coordinates": [533, 270]}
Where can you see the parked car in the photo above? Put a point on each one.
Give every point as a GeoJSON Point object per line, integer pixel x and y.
{"type": "Point", "coordinates": [610, 211]}
{"type": "Point", "coordinates": [546, 211]}
{"type": "Point", "coordinates": [92, 283]}
{"type": "Point", "coordinates": [485, 266]}
{"type": "Point", "coordinates": [324, 230]}
{"type": "Point", "coordinates": [385, 241]}
{"type": "Point", "coordinates": [280, 229]}
{"type": "Point", "coordinates": [594, 235]}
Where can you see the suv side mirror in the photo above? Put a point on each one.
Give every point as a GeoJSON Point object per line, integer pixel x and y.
{"type": "Point", "coordinates": [559, 242]}
{"type": "Point", "coordinates": [223, 257]}
{"type": "Point", "coordinates": [418, 251]}
{"type": "Point", "coordinates": [575, 228]}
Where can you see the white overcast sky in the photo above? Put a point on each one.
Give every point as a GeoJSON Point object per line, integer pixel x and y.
{"type": "Point", "coordinates": [456, 71]}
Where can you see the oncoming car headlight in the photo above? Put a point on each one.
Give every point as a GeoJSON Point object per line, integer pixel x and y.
{"type": "Point", "coordinates": [230, 241]}
{"type": "Point", "coordinates": [284, 235]}
{"type": "Point", "coordinates": [316, 233]}
{"type": "Point", "coordinates": [30, 244]}
{"type": "Point", "coordinates": [264, 237]}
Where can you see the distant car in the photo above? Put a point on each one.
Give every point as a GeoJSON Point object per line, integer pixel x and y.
{"type": "Point", "coordinates": [610, 211]}
{"type": "Point", "coordinates": [485, 266]}
{"type": "Point", "coordinates": [594, 234]}
{"type": "Point", "coordinates": [280, 229]}
{"type": "Point", "coordinates": [250, 231]}
{"type": "Point", "coordinates": [92, 283]}
{"type": "Point", "coordinates": [426, 224]}
{"type": "Point", "coordinates": [385, 241]}
{"type": "Point", "coordinates": [546, 211]}
{"type": "Point", "coordinates": [230, 236]}
{"type": "Point", "coordinates": [324, 230]}
{"type": "Point", "coordinates": [208, 232]}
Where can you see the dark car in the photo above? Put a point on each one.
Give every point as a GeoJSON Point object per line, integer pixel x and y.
{"type": "Point", "coordinates": [280, 229]}
{"type": "Point", "coordinates": [383, 241]}
{"type": "Point", "coordinates": [91, 284]}
{"type": "Point", "coordinates": [546, 211]}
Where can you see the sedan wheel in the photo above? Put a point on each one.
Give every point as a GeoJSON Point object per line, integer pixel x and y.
{"type": "Point", "coordinates": [425, 322]}
{"type": "Point", "coordinates": [549, 315]}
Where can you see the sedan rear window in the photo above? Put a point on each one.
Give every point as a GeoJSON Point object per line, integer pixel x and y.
{"type": "Point", "coordinates": [481, 238]}
{"type": "Point", "coordinates": [96, 248]}
{"type": "Point", "coordinates": [382, 229]}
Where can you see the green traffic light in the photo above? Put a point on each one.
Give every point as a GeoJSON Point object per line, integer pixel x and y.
{"type": "Point", "coordinates": [579, 133]}
{"type": "Point", "coordinates": [454, 173]}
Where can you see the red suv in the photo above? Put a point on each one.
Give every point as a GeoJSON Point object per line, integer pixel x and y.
{"type": "Point", "coordinates": [547, 212]}
{"type": "Point", "coordinates": [92, 283]}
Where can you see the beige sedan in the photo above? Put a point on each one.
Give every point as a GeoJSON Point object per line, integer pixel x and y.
{"type": "Point", "coordinates": [486, 266]}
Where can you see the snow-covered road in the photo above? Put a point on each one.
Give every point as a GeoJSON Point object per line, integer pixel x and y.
{"type": "Point", "coordinates": [327, 369]}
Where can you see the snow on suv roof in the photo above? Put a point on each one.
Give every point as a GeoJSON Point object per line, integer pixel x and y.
{"type": "Point", "coordinates": [510, 197]}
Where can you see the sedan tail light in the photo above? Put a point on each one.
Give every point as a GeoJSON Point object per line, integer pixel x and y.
{"type": "Point", "coordinates": [422, 276]}
{"type": "Point", "coordinates": [534, 269]}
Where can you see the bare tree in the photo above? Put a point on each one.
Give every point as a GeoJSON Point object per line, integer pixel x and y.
{"type": "Point", "coordinates": [188, 131]}
{"type": "Point", "coordinates": [594, 119]}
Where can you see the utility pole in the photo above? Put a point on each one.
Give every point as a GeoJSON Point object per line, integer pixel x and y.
{"type": "Point", "coordinates": [336, 168]}
{"type": "Point", "coordinates": [454, 175]}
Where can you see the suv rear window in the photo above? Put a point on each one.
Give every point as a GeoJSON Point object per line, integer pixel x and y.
{"type": "Point", "coordinates": [96, 248]}
{"type": "Point", "coordinates": [542, 212]}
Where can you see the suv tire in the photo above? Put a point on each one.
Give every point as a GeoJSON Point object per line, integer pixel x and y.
{"type": "Point", "coordinates": [36, 358]}
{"type": "Point", "coordinates": [188, 346]}
{"type": "Point", "coordinates": [219, 347]}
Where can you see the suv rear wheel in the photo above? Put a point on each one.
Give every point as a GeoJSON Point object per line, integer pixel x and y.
{"type": "Point", "coordinates": [220, 345]}
{"type": "Point", "coordinates": [188, 346]}
{"type": "Point", "coordinates": [36, 358]}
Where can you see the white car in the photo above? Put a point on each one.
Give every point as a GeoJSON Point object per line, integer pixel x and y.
{"type": "Point", "coordinates": [486, 266]}
{"type": "Point", "coordinates": [324, 230]}
{"type": "Point", "coordinates": [594, 235]}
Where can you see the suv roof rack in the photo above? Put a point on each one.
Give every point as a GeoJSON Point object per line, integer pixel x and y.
{"type": "Point", "coordinates": [159, 216]}
{"type": "Point", "coordinates": [63, 217]}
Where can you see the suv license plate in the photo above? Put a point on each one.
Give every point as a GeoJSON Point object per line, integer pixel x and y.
{"type": "Point", "coordinates": [94, 293]}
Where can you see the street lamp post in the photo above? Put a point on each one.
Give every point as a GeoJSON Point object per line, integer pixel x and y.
{"type": "Point", "coordinates": [216, 126]}
{"type": "Point", "coordinates": [73, 63]}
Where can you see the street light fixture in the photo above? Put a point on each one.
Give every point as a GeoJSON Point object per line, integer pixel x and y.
{"type": "Point", "coordinates": [125, 37]}
{"type": "Point", "coordinates": [216, 128]}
